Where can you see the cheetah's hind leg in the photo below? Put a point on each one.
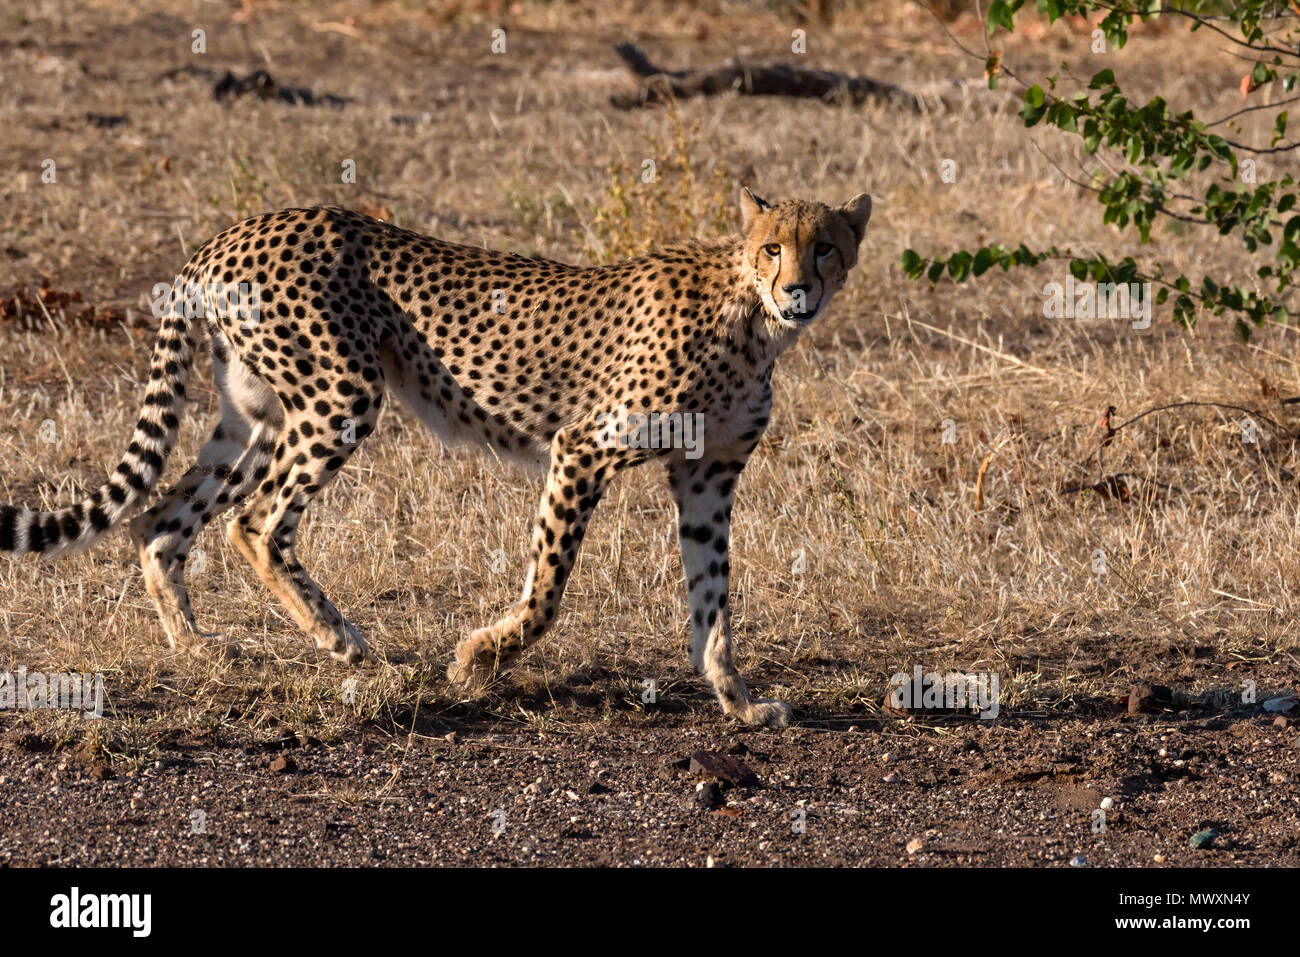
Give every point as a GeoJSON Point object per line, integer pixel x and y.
{"type": "Point", "coordinates": [266, 532]}
{"type": "Point", "coordinates": [230, 465]}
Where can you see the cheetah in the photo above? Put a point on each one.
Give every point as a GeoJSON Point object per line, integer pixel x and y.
{"type": "Point", "coordinates": [521, 356]}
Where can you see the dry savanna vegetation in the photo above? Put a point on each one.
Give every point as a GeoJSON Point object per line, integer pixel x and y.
{"type": "Point", "coordinates": [929, 492]}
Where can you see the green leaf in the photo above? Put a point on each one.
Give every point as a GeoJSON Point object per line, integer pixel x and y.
{"type": "Point", "coordinates": [959, 265]}
{"type": "Point", "coordinates": [1000, 15]}
{"type": "Point", "coordinates": [1035, 105]}
{"type": "Point", "coordinates": [1104, 78]}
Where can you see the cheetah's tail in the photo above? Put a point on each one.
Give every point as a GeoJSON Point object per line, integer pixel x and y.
{"type": "Point", "coordinates": [76, 527]}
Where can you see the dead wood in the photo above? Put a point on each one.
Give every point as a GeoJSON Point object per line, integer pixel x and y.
{"type": "Point", "coordinates": [779, 79]}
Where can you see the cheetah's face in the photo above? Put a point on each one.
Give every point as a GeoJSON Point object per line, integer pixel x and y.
{"type": "Point", "coordinates": [800, 253]}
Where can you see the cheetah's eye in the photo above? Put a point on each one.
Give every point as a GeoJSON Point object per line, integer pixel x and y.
{"type": "Point", "coordinates": [823, 249]}
{"type": "Point", "coordinates": [772, 249]}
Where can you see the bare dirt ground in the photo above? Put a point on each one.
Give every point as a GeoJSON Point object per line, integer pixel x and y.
{"type": "Point", "coordinates": [861, 546]}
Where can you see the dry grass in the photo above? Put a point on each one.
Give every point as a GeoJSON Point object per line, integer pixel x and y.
{"type": "Point", "coordinates": [854, 485]}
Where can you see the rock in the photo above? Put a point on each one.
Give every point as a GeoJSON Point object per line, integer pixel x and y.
{"type": "Point", "coordinates": [1281, 722]}
{"type": "Point", "coordinates": [1107, 803]}
{"type": "Point", "coordinates": [723, 767]}
{"type": "Point", "coordinates": [1281, 702]}
{"type": "Point", "coordinates": [1201, 840]}
{"type": "Point", "coordinates": [890, 778]}
{"type": "Point", "coordinates": [283, 764]}
{"type": "Point", "coordinates": [708, 795]}
{"type": "Point", "coordinates": [1149, 699]}
{"type": "Point", "coordinates": [914, 846]}
{"type": "Point", "coordinates": [672, 768]}
{"type": "Point", "coordinates": [1078, 861]}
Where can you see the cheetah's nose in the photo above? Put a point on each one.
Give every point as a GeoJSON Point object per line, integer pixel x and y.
{"type": "Point", "coordinates": [791, 288]}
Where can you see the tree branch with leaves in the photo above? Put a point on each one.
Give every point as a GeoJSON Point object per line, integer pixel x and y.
{"type": "Point", "coordinates": [1147, 156]}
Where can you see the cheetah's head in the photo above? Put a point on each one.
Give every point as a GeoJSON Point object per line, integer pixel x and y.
{"type": "Point", "coordinates": [800, 253]}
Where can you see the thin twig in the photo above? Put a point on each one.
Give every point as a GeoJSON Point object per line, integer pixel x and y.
{"type": "Point", "coordinates": [1113, 430]}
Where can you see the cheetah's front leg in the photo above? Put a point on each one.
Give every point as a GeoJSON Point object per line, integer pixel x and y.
{"type": "Point", "coordinates": [580, 470]}
{"type": "Point", "coordinates": [704, 490]}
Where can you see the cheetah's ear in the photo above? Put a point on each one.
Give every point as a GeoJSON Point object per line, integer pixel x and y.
{"type": "Point", "coordinates": [750, 206]}
{"type": "Point", "coordinates": [857, 211]}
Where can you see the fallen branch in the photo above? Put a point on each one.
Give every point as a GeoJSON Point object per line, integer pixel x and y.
{"type": "Point", "coordinates": [658, 85]}
{"type": "Point", "coordinates": [227, 86]}
{"type": "Point", "coordinates": [265, 87]}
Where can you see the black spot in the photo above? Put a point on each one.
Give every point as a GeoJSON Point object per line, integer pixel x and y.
{"type": "Point", "coordinates": [35, 537]}
{"type": "Point", "coordinates": [8, 523]}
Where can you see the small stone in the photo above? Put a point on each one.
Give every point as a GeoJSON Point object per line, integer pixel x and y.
{"type": "Point", "coordinates": [1202, 840]}
{"type": "Point", "coordinates": [1159, 858]}
{"type": "Point", "coordinates": [914, 846]}
{"type": "Point", "coordinates": [1149, 699]}
{"type": "Point", "coordinates": [891, 778]}
{"type": "Point", "coordinates": [723, 767]}
{"type": "Point", "coordinates": [708, 795]}
{"type": "Point", "coordinates": [1281, 722]}
{"type": "Point", "coordinates": [283, 764]}
{"type": "Point", "coordinates": [1078, 861]}
{"type": "Point", "coordinates": [1107, 803]}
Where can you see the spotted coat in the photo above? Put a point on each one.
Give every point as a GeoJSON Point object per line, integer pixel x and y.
{"type": "Point", "coordinates": [523, 356]}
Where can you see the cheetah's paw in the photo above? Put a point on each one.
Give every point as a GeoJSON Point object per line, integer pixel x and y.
{"type": "Point", "coordinates": [765, 713]}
